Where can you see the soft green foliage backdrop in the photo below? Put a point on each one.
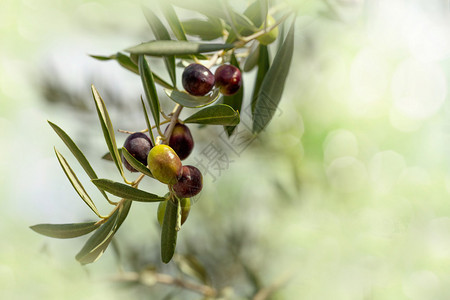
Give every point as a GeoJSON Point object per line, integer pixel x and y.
{"type": "Point", "coordinates": [346, 191]}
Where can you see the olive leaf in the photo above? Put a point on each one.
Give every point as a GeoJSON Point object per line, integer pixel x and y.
{"type": "Point", "coordinates": [149, 88]}
{"type": "Point", "coordinates": [272, 86]}
{"type": "Point", "coordinates": [127, 62]}
{"type": "Point", "coordinates": [169, 232]}
{"type": "Point", "coordinates": [65, 231]}
{"type": "Point", "coordinates": [240, 21]}
{"type": "Point", "coordinates": [207, 8]}
{"type": "Point", "coordinates": [219, 114]}
{"type": "Point", "coordinates": [206, 30]}
{"type": "Point", "coordinates": [76, 183]}
{"type": "Point", "coordinates": [263, 67]}
{"type": "Point", "coordinates": [107, 156]}
{"type": "Point", "coordinates": [164, 48]}
{"type": "Point", "coordinates": [172, 19]}
{"type": "Point", "coordinates": [122, 59]}
{"type": "Point", "coordinates": [147, 121]}
{"type": "Point", "coordinates": [125, 191]}
{"type": "Point", "coordinates": [76, 152]}
{"type": "Point", "coordinates": [135, 163]}
{"type": "Point", "coordinates": [188, 100]}
{"type": "Point", "coordinates": [107, 128]}
{"type": "Point", "coordinates": [161, 34]}
{"type": "Point", "coordinates": [235, 101]}
{"type": "Point", "coordinates": [257, 12]}
{"type": "Point", "coordinates": [99, 241]}
{"type": "Point", "coordinates": [252, 59]}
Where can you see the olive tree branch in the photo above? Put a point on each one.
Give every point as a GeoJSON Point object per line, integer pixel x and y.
{"type": "Point", "coordinates": [266, 292]}
{"type": "Point", "coordinates": [149, 278]}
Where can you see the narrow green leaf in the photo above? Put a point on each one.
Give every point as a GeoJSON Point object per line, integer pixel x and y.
{"type": "Point", "coordinates": [101, 57]}
{"type": "Point", "coordinates": [235, 101]}
{"type": "Point", "coordinates": [240, 24]}
{"type": "Point", "coordinates": [168, 231]}
{"type": "Point", "coordinates": [75, 182]}
{"type": "Point", "coordinates": [243, 22]}
{"type": "Point", "coordinates": [281, 32]}
{"type": "Point", "coordinates": [76, 152]}
{"type": "Point", "coordinates": [122, 59]}
{"type": "Point", "coordinates": [161, 81]}
{"type": "Point", "coordinates": [65, 231]}
{"type": "Point", "coordinates": [187, 100]}
{"type": "Point", "coordinates": [207, 8]}
{"type": "Point", "coordinates": [135, 163]}
{"type": "Point", "coordinates": [107, 128]}
{"type": "Point", "coordinates": [263, 67]}
{"type": "Point", "coordinates": [149, 126]}
{"type": "Point", "coordinates": [220, 114]}
{"type": "Point", "coordinates": [128, 63]}
{"type": "Point", "coordinates": [134, 58]}
{"type": "Point", "coordinates": [107, 156]}
{"type": "Point", "coordinates": [149, 88]}
{"type": "Point", "coordinates": [206, 30]}
{"type": "Point", "coordinates": [172, 19]}
{"type": "Point", "coordinates": [232, 37]}
{"type": "Point", "coordinates": [252, 59]}
{"type": "Point", "coordinates": [126, 191]}
{"type": "Point", "coordinates": [124, 212]}
{"type": "Point", "coordinates": [161, 34]}
{"type": "Point", "coordinates": [99, 241]}
{"type": "Point", "coordinates": [164, 48]}
{"type": "Point", "coordinates": [257, 12]}
{"type": "Point", "coordinates": [190, 58]}
{"type": "Point", "coordinates": [272, 86]}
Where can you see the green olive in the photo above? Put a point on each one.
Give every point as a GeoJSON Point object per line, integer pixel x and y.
{"type": "Point", "coordinates": [185, 208]}
{"type": "Point", "coordinates": [164, 164]}
{"type": "Point", "coordinates": [271, 36]}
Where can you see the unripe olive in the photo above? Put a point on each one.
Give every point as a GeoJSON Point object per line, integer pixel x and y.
{"type": "Point", "coordinates": [197, 79]}
{"type": "Point", "coordinates": [181, 140]}
{"type": "Point", "coordinates": [271, 36]}
{"type": "Point", "coordinates": [164, 164]}
{"type": "Point", "coordinates": [190, 183]}
{"type": "Point", "coordinates": [185, 209]}
{"type": "Point", "coordinates": [228, 79]}
{"type": "Point", "coordinates": [138, 145]}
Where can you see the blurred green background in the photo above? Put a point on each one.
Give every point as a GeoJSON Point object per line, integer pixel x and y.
{"type": "Point", "coordinates": [344, 196]}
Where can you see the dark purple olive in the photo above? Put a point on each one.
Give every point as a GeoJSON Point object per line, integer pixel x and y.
{"type": "Point", "coordinates": [138, 145]}
{"type": "Point", "coordinates": [228, 79]}
{"type": "Point", "coordinates": [190, 183]}
{"type": "Point", "coordinates": [181, 140]}
{"type": "Point", "coordinates": [197, 80]}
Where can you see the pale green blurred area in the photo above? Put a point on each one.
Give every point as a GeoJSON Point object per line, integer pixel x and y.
{"type": "Point", "coordinates": [346, 193]}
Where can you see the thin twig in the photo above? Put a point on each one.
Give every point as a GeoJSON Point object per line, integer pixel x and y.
{"type": "Point", "coordinates": [214, 59]}
{"type": "Point", "coordinates": [266, 292]}
{"type": "Point", "coordinates": [135, 183]}
{"type": "Point", "coordinates": [151, 278]}
{"type": "Point", "coordinates": [125, 131]}
{"type": "Point", "coordinates": [176, 113]}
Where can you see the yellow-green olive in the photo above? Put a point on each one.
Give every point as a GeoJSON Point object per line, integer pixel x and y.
{"type": "Point", "coordinates": [164, 164]}
{"type": "Point", "coordinates": [271, 36]}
